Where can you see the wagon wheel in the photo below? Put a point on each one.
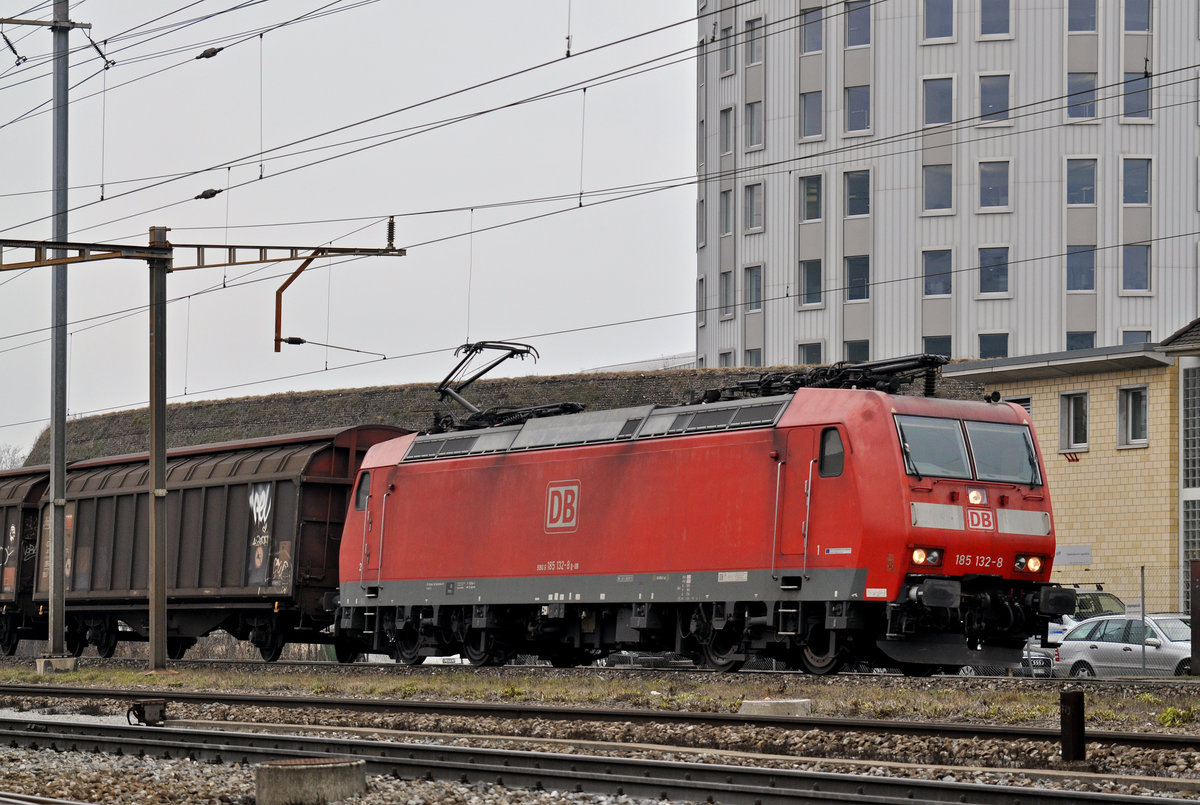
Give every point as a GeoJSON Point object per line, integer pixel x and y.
{"type": "Point", "coordinates": [273, 648]}
{"type": "Point", "coordinates": [74, 642]}
{"type": "Point", "coordinates": [345, 650]}
{"type": "Point", "coordinates": [178, 646]}
{"type": "Point", "coordinates": [722, 652]}
{"type": "Point", "coordinates": [108, 643]}
{"type": "Point", "coordinates": [9, 637]}
{"type": "Point", "coordinates": [820, 656]}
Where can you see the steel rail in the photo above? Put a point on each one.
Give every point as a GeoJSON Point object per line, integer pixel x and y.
{"type": "Point", "coordinates": [942, 729]}
{"type": "Point", "coordinates": [541, 770]}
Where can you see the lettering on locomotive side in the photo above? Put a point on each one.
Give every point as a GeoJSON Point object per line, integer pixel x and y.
{"type": "Point", "coordinates": [981, 520]}
{"type": "Point", "coordinates": [562, 506]}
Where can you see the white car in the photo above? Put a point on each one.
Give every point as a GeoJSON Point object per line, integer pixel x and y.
{"type": "Point", "coordinates": [1115, 645]}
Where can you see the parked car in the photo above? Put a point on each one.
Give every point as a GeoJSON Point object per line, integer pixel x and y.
{"type": "Point", "coordinates": [1090, 602]}
{"type": "Point", "coordinates": [1111, 645]}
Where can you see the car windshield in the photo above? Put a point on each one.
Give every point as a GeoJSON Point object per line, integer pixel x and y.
{"type": "Point", "coordinates": [933, 446]}
{"type": "Point", "coordinates": [1176, 629]}
{"type": "Point", "coordinates": [1003, 453]}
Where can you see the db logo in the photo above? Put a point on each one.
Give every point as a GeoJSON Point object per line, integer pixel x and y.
{"type": "Point", "coordinates": [981, 519]}
{"type": "Point", "coordinates": [562, 506]}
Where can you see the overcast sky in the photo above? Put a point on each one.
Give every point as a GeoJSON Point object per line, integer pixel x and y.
{"type": "Point", "coordinates": [160, 113]}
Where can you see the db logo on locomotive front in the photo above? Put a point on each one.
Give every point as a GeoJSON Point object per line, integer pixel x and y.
{"type": "Point", "coordinates": [981, 520]}
{"type": "Point", "coordinates": [562, 506]}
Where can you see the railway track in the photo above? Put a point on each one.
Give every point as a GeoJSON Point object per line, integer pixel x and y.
{"type": "Point", "coordinates": [1171, 741]}
{"type": "Point", "coordinates": [639, 777]}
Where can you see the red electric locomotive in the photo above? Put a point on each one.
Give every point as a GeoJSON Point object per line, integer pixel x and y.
{"type": "Point", "coordinates": [812, 525]}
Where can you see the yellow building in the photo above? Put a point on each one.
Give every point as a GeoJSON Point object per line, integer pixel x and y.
{"type": "Point", "coordinates": [1120, 431]}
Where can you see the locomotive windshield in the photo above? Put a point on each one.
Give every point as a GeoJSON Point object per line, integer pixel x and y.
{"type": "Point", "coordinates": [1003, 453]}
{"type": "Point", "coordinates": [938, 447]}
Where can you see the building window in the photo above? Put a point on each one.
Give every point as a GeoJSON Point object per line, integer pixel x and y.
{"type": "Point", "coordinates": [858, 23]}
{"type": "Point", "coordinates": [993, 345]}
{"type": "Point", "coordinates": [726, 293]}
{"type": "Point", "coordinates": [810, 282]}
{"type": "Point", "coordinates": [754, 42]}
{"type": "Point", "coordinates": [1135, 185]}
{"type": "Point", "coordinates": [858, 108]}
{"type": "Point", "coordinates": [808, 354]}
{"type": "Point", "coordinates": [857, 351]}
{"type": "Point", "coordinates": [754, 124]}
{"type": "Point", "coordinates": [993, 185]}
{"type": "Point", "coordinates": [993, 270]}
{"type": "Point", "coordinates": [727, 50]}
{"type": "Point", "coordinates": [937, 345]}
{"type": "Point", "coordinates": [812, 116]}
{"type": "Point", "coordinates": [858, 277]}
{"type": "Point", "coordinates": [994, 18]}
{"type": "Point", "coordinates": [1081, 95]}
{"type": "Point", "coordinates": [1081, 16]}
{"type": "Point", "coordinates": [810, 195]}
{"type": "Point", "coordinates": [1135, 267]}
{"type": "Point", "coordinates": [1081, 340]}
{"type": "Point", "coordinates": [726, 131]}
{"type": "Point", "coordinates": [939, 189]}
{"type": "Point", "coordinates": [700, 223]}
{"type": "Point", "coordinates": [701, 303]}
{"type": "Point", "coordinates": [1073, 421]}
{"type": "Point", "coordinates": [993, 98]}
{"type": "Point", "coordinates": [858, 193]}
{"type": "Point", "coordinates": [754, 207]}
{"type": "Point", "coordinates": [1132, 419]}
{"type": "Point", "coordinates": [1081, 181]}
{"type": "Point", "coordinates": [939, 101]}
{"type": "Point", "coordinates": [1137, 16]}
{"type": "Point", "coordinates": [1136, 96]}
{"type": "Point", "coordinates": [939, 19]}
{"type": "Point", "coordinates": [726, 203]}
{"type": "Point", "coordinates": [811, 35]}
{"type": "Point", "coordinates": [936, 266]}
{"type": "Point", "coordinates": [1135, 337]}
{"type": "Point", "coordinates": [753, 357]}
{"type": "Point", "coordinates": [753, 288]}
{"type": "Point", "coordinates": [725, 359]}
{"type": "Point", "coordinates": [1024, 402]}
{"type": "Point", "coordinates": [1081, 268]}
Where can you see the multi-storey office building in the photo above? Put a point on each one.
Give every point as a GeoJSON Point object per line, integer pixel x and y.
{"type": "Point", "coordinates": [979, 178]}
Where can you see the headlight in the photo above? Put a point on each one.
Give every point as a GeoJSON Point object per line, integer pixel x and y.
{"type": "Point", "coordinates": [977, 497]}
{"type": "Point", "coordinates": [1028, 564]}
{"type": "Point", "coordinates": [929, 557]}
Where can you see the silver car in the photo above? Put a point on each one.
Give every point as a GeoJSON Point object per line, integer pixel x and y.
{"type": "Point", "coordinates": [1112, 646]}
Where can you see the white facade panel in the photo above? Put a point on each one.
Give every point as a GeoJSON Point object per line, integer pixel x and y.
{"type": "Point", "coordinates": [1035, 140]}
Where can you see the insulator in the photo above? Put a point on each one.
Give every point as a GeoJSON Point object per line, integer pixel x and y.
{"type": "Point", "coordinates": [391, 237]}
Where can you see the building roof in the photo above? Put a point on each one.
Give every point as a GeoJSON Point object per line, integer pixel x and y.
{"type": "Point", "coordinates": [1185, 339]}
{"type": "Point", "coordinates": [1062, 364]}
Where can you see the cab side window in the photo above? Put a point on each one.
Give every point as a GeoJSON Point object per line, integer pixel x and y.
{"type": "Point", "coordinates": [363, 493]}
{"type": "Point", "coordinates": [833, 455]}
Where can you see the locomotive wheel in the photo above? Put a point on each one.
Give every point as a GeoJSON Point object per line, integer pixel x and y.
{"type": "Point", "coordinates": [488, 654]}
{"type": "Point", "coordinates": [408, 650]}
{"type": "Point", "coordinates": [721, 653]}
{"type": "Point", "coordinates": [820, 656]}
